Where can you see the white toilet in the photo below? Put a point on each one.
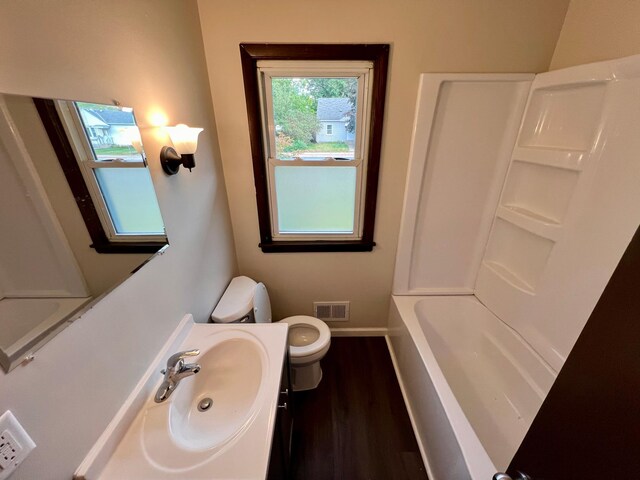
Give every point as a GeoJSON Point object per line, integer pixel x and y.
{"type": "Point", "coordinates": [246, 301]}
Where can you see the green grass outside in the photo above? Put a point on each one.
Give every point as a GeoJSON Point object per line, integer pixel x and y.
{"type": "Point", "coordinates": [327, 147]}
{"type": "Point", "coordinates": [115, 151]}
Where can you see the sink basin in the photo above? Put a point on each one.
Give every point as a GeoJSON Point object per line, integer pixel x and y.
{"type": "Point", "coordinates": [176, 434]}
{"type": "Point", "coordinates": [231, 377]}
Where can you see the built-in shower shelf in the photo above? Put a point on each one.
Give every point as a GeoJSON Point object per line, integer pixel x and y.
{"type": "Point", "coordinates": [551, 157]}
{"type": "Point", "coordinates": [517, 254]}
{"type": "Point", "coordinates": [530, 221]}
{"type": "Point", "coordinates": [508, 276]}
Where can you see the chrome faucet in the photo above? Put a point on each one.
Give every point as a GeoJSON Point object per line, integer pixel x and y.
{"type": "Point", "coordinates": [176, 370]}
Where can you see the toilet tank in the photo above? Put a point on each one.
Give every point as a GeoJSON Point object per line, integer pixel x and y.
{"type": "Point", "coordinates": [236, 302]}
{"type": "Point", "coordinates": [244, 301]}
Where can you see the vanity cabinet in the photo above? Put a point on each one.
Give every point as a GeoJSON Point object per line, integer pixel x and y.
{"type": "Point", "coordinates": [280, 458]}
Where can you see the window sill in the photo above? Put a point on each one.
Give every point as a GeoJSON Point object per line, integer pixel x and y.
{"type": "Point", "coordinates": [317, 246]}
{"type": "Point", "coordinates": [132, 247]}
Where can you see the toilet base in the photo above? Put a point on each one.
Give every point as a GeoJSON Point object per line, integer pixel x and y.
{"type": "Point", "coordinates": [305, 377]}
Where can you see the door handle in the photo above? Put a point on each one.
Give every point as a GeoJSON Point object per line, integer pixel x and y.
{"type": "Point", "coordinates": [504, 476]}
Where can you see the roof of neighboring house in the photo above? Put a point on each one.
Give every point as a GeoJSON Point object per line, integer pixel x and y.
{"type": "Point", "coordinates": [333, 108]}
{"type": "Point", "coordinates": [90, 119]}
{"type": "Point", "coordinates": [114, 117]}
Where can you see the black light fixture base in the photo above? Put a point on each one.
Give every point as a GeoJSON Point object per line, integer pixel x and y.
{"type": "Point", "coordinates": [170, 160]}
{"type": "Point", "coordinates": [188, 160]}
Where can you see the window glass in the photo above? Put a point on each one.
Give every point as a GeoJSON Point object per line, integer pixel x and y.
{"type": "Point", "coordinates": [110, 131]}
{"type": "Point", "coordinates": [302, 106]}
{"type": "Point", "coordinates": [130, 200]}
{"type": "Point", "coordinates": [114, 168]}
{"type": "Point", "coordinates": [315, 199]}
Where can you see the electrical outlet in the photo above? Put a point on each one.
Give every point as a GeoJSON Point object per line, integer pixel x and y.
{"type": "Point", "coordinates": [15, 444]}
{"type": "Point", "coordinates": [9, 449]}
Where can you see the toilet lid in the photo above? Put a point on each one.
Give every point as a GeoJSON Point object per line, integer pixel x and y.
{"type": "Point", "coordinates": [236, 301]}
{"type": "Point", "coordinates": [324, 335]}
{"type": "Point", "coordinates": [261, 305]}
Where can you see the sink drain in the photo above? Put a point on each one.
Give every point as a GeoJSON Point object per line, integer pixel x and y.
{"type": "Point", "coordinates": [204, 404]}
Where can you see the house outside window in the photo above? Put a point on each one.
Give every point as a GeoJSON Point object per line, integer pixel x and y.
{"type": "Point", "coordinates": [335, 115]}
{"type": "Point", "coordinates": [315, 125]}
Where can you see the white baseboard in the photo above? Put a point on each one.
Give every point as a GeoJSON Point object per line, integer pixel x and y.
{"type": "Point", "coordinates": [359, 332]}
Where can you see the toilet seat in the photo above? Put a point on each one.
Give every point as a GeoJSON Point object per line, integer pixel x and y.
{"type": "Point", "coordinates": [321, 343]}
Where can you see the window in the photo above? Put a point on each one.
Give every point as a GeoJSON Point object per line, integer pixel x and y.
{"type": "Point", "coordinates": [107, 174]}
{"type": "Point", "coordinates": [315, 120]}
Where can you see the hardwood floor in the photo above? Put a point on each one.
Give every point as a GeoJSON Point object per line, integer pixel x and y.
{"type": "Point", "coordinates": [355, 426]}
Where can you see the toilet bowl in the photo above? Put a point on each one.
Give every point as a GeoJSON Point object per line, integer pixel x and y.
{"type": "Point", "coordinates": [309, 338]}
{"type": "Point", "coordinates": [309, 341]}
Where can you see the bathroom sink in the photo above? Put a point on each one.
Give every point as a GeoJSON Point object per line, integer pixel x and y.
{"type": "Point", "coordinates": [217, 423]}
{"type": "Point", "coordinates": [176, 434]}
{"type": "Point", "coordinates": [227, 390]}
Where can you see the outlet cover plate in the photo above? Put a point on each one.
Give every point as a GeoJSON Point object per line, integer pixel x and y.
{"type": "Point", "coordinates": [15, 444]}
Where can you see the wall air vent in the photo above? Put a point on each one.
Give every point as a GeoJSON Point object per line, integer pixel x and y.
{"type": "Point", "coordinates": [331, 311]}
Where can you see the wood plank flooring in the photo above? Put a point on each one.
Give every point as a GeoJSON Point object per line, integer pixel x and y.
{"type": "Point", "coordinates": [355, 426]}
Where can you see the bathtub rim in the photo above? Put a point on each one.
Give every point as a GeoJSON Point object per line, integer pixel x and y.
{"type": "Point", "coordinates": [475, 457]}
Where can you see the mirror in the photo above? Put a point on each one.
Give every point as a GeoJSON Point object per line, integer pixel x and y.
{"type": "Point", "coordinates": [78, 214]}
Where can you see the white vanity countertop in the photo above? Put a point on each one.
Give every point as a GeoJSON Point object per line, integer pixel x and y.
{"type": "Point", "coordinates": [140, 443]}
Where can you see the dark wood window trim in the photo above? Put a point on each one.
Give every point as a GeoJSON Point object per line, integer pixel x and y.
{"type": "Point", "coordinates": [250, 54]}
{"type": "Point", "coordinates": [60, 142]}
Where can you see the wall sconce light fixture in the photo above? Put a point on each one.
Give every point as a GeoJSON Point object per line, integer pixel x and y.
{"type": "Point", "coordinates": [185, 144]}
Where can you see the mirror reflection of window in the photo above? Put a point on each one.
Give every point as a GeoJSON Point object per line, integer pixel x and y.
{"type": "Point", "coordinates": [110, 130]}
{"type": "Point", "coordinates": [107, 144]}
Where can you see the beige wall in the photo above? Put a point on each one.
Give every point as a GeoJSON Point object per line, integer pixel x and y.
{"type": "Point", "coordinates": [597, 30]}
{"type": "Point", "coordinates": [426, 36]}
{"type": "Point", "coordinates": [147, 54]}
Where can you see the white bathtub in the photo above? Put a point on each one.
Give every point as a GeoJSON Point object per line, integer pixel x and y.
{"type": "Point", "coordinates": [472, 384]}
